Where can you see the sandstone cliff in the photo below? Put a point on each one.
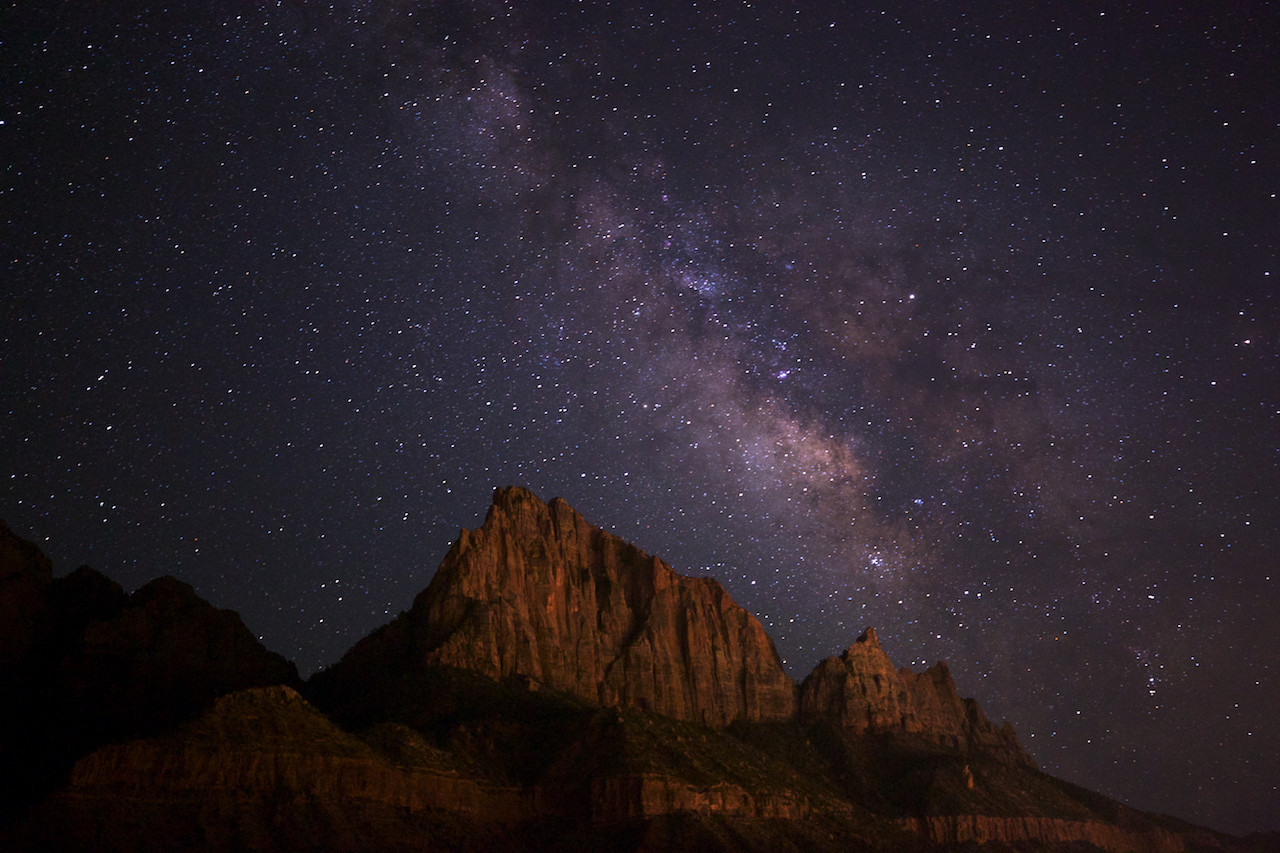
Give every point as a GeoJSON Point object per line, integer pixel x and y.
{"type": "Point", "coordinates": [539, 594]}
{"type": "Point", "coordinates": [862, 691]}
{"type": "Point", "coordinates": [263, 769]}
{"type": "Point", "coordinates": [553, 688]}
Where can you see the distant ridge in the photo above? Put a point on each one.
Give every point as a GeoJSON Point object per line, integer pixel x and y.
{"type": "Point", "coordinates": [554, 688]}
{"type": "Point", "coordinates": [82, 664]}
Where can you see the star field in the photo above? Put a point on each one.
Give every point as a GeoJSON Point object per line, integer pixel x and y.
{"type": "Point", "coordinates": [960, 324]}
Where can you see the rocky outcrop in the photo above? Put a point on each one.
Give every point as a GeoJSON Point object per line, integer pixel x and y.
{"type": "Point", "coordinates": [1044, 831]}
{"type": "Point", "coordinates": [268, 741]}
{"type": "Point", "coordinates": [552, 688]}
{"type": "Point", "coordinates": [263, 770]}
{"type": "Point", "coordinates": [539, 594]}
{"type": "Point", "coordinates": [862, 691]}
{"type": "Point", "coordinates": [256, 769]}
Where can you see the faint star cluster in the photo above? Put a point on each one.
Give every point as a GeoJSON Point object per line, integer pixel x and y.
{"type": "Point", "coordinates": [958, 323]}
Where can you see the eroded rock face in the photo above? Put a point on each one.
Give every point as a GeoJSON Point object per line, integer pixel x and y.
{"type": "Point", "coordinates": [539, 593]}
{"type": "Point", "coordinates": [539, 596]}
{"type": "Point", "coordinates": [618, 798]}
{"type": "Point", "coordinates": [263, 770]}
{"type": "Point", "coordinates": [862, 691]}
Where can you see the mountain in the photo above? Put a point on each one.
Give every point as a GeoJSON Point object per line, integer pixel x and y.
{"type": "Point", "coordinates": [82, 664]}
{"type": "Point", "coordinates": [553, 688]}
{"type": "Point", "coordinates": [539, 594]}
{"type": "Point", "coordinates": [862, 692]}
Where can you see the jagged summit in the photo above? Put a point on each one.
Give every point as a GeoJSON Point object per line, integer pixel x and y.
{"type": "Point", "coordinates": [861, 691]}
{"type": "Point", "coordinates": [540, 594]}
{"type": "Point", "coordinates": [553, 688]}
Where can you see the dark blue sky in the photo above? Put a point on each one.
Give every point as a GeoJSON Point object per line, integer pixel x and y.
{"type": "Point", "coordinates": [958, 324]}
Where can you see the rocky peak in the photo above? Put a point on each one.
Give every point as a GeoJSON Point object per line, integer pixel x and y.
{"type": "Point", "coordinates": [539, 594]}
{"type": "Point", "coordinates": [84, 596]}
{"type": "Point", "coordinates": [863, 692]}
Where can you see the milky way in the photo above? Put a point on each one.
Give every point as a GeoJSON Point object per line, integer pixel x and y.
{"type": "Point", "coordinates": [958, 325]}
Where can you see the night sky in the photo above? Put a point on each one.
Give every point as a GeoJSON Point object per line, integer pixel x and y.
{"type": "Point", "coordinates": [957, 324]}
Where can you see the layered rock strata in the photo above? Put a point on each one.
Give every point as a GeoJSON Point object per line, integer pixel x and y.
{"type": "Point", "coordinates": [862, 691]}
{"type": "Point", "coordinates": [956, 830]}
{"type": "Point", "coordinates": [269, 745]}
{"type": "Point", "coordinates": [539, 594]}
{"type": "Point", "coordinates": [644, 795]}
{"type": "Point", "coordinates": [536, 598]}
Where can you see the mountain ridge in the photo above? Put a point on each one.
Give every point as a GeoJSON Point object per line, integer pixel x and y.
{"type": "Point", "coordinates": [552, 688]}
{"type": "Point", "coordinates": [537, 592]}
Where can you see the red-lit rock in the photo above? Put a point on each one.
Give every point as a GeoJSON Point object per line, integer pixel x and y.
{"type": "Point", "coordinates": [862, 691]}
{"type": "Point", "coordinates": [539, 594]}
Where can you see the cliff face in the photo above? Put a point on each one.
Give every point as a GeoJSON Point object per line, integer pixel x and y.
{"type": "Point", "coordinates": [553, 688]}
{"type": "Point", "coordinates": [862, 691]}
{"type": "Point", "coordinates": [263, 769]}
{"type": "Point", "coordinates": [540, 594]}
